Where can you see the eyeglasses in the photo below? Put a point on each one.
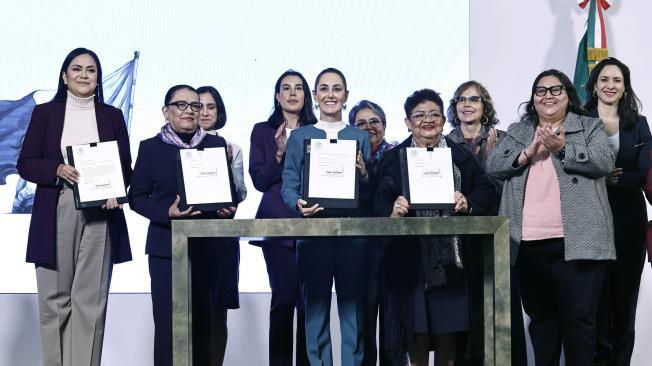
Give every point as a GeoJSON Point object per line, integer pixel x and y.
{"type": "Point", "coordinates": [471, 99]}
{"type": "Point", "coordinates": [182, 106]}
{"type": "Point", "coordinates": [421, 116]}
{"type": "Point", "coordinates": [541, 91]}
{"type": "Point", "coordinates": [374, 122]}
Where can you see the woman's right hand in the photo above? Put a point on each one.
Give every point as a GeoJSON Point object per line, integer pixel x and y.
{"type": "Point", "coordinates": [68, 172]}
{"type": "Point", "coordinates": [401, 207]}
{"type": "Point", "coordinates": [308, 211]}
{"type": "Point", "coordinates": [174, 212]}
{"type": "Point", "coordinates": [281, 140]}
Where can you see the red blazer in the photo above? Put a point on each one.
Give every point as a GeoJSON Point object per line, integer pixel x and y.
{"type": "Point", "coordinates": [648, 194]}
{"type": "Point", "coordinates": [39, 158]}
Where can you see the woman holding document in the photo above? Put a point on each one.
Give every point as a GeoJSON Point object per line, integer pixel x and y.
{"type": "Point", "coordinates": [292, 109]}
{"type": "Point", "coordinates": [322, 260]}
{"type": "Point", "coordinates": [73, 250]}
{"type": "Point", "coordinates": [154, 194]}
{"type": "Point", "coordinates": [425, 285]}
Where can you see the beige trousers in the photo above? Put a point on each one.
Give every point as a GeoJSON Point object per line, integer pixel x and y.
{"type": "Point", "coordinates": [72, 298]}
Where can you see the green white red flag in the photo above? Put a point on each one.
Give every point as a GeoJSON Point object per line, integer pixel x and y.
{"type": "Point", "coordinates": [593, 46]}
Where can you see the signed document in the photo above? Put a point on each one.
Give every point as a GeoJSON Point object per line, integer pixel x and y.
{"type": "Point", "coordinates": [100, 173]}
{"type": "Point", "coordinates": [205, 179]}
{"type": "Point", "coordinates": [428, 181]}
{"type": "Point", "coordinates": [332, 177]}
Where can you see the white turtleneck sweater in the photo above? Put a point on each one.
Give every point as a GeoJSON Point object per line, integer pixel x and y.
{"type": "Point", "coordinates": [79, 123]}
{"type": "Point", "coordinates": [331, 128]}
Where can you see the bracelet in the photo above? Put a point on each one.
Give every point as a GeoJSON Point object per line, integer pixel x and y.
{"type": "Point", "coordinates": [526, 157]}
{"type": "Point", "coordinates": [279, 156]}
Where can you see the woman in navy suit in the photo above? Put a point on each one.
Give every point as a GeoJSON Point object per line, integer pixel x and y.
{"type": "Point", "coordinates": [73, 250]}
{"type": "Point", "coordinates": [154, 194]}
{"type": "Point", "coordinates": [292, 109]}
{"type": "Point", "coordinates": [611, 97]}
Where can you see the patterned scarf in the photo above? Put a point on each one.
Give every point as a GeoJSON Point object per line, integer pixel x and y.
{"type": "Point", "coordinates": [440, 255]}
{"type": "Point", "coordinates": [381, 149]}
{"type": "Point", "coordinates": [170, 137]}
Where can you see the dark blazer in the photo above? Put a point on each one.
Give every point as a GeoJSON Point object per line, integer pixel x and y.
{"type": "Point", "coordinates": [476, 186]}
{"type": "Point", "coordinates": [39, 158]}
{"type": "Point", "coordinates": [266, 174]}
{"type": "Point", "coordinates": [155, 186]}
{"type": "Point", "coordinates": [626, 199]}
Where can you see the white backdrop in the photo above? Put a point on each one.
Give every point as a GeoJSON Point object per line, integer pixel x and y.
{"type": "Point", "coordinates": [386, 50]}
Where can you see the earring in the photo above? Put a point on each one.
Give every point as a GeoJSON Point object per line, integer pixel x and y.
{"type": "Point", "coordinates": [595, 94]}
{"type": "Point", "coordinates": [316, 107]}
{"type": "Point", "coordinates": [456, 120]}
{"type": "Point", "coordinates": [344, 106]}
{"type": "Point", "coordinates": [486, 119]}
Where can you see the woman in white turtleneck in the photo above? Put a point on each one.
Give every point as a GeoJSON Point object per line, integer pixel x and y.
{"type": "Point", "coordinates": [321, 261]}
{"type": "Point", "coordinates": [73, 250]}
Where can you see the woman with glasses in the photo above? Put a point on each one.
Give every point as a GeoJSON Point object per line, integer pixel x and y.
{"type": "Point", "coordinates": [154, 194]}
{"type": "Point", "coordinates": [370, 117]}
{"type": "Point", "coordinates": [321, 261]}
{"type": "Point", "coordinates": [73, 250]}
{"type": "Point", "coordinates": [292, 109]}
{"type": "Point", "coordinates": [612, 99]}
{"type": "Point", "coordinates": [472, 115]}
{"type": "Point", "coordinates": [554, 163]}
{"type": "Point", "coordinates": [425, 297]}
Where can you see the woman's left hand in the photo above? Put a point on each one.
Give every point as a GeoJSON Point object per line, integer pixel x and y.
{"type": "Point", "coordinates": [224, 213]}
{"type": "Point", "coordinates": [553, 140]}
{"type": "Point", "coordinates": [359, 163]}
{"type": "Point", "coordinates": [461, 204]}
{"type": "Point", "coordinates": [112, 203]}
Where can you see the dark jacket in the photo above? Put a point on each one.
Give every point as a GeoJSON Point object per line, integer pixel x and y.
{"type": "Point", "coordinates": [266, 173]}
{"type": "Point", "coordinates": [626, 199]}
{"type": "Point", "coordinates": [39, 158]}
{"type": "Point", "coordinates": [155, 186]}
{"type": "Point", "coordinates": [402, 256]}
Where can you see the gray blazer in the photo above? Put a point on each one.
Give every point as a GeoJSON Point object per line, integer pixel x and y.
{"type": "Point", "coordinates": [586, 216]}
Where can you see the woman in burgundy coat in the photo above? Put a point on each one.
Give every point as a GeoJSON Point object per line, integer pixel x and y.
{"type": "Point", "coordinates": [292, 109]}
{"type": "Point", "coordinates": [73, 250]}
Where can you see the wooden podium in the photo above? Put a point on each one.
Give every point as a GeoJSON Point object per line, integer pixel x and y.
{"type": "Point", "coordinates": [497, 323]}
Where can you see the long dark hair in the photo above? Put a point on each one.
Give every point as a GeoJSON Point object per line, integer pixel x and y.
{"type": "Point", "coordinates": [574, 104]}
{"type": "Point", "coordinates": [306, 116]}
{"type": "Point", "coordinates": [62, 89]}
{"type": "Point", "coordinates": [487, 104]}
{"type": "Point", "coordinates": [628, 106]}
{"type": "Point", "coordinates": [219, 103]}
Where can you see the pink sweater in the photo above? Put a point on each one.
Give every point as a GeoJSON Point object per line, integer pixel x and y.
{"type": "Point", "coordinates": [542, 203]}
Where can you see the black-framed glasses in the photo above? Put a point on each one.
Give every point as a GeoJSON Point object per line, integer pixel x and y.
{"type": "Point", "coordinates": [555, 90]}
{"type": "Point", "coordinates": [373, 122]}
{"type": "Point", "coordinates": [421, 116]}
{"type": "Point", "coordinates": [182, 106]}
{"type": "Point", "coordinates": [472, 99]}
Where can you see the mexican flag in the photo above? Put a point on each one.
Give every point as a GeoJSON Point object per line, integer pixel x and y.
{"type": "Point", "coordinates": [593, 46]}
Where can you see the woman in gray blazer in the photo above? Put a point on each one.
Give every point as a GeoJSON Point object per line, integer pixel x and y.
{"type": "Point", "coordinates": [554, 163]}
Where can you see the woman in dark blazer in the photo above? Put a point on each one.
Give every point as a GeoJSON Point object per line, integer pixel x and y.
{"type": "Point", "coordinates": [73, 250]}
{"type": "Point", "coordinates": [292, 109]}
{"type": "Point", "coordinates": [612, 99]}
{"type": "Point", "coordinates": [425, 286]}
{"type": "Point", "coordinates": [154, 194]}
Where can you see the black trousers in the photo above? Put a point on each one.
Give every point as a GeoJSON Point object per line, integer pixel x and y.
{"type": "Point", "coordinates": [287, 296]}
{"type": "Point", "coordinates": [617, 307]}
{"type": "Point", "coordinates": [373, 306]}
{"type": "Point", "coordinates": [561, 299]}
{"type": "Point", "coordinates": [160, 272]}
